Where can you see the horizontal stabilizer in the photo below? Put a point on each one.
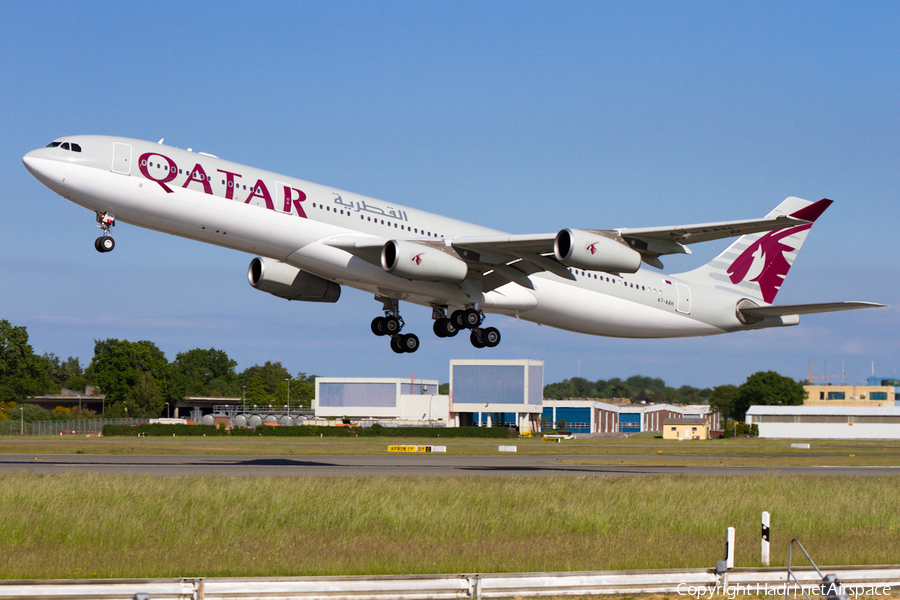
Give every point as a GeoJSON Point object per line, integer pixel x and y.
{"type": "Point", "coordinates": [804, 309]}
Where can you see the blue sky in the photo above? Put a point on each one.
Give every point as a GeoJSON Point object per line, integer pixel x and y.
{"type": "Point", "coordinates": [527, 117]}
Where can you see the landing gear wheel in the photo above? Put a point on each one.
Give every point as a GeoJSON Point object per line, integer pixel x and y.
{"type": "Point", "coordinates": [490, 337]}
{"type": "Point", "coordinates": [457, 319]}
{"type": "Point", "coordinates": [396, 345]}
{"type": "Point", "coordinates": [378, 326]}
{"type": "Point", "coordinates": [392, 325]}
{"type": "Point", "coordinates": [104, 244]}
{"type": "Point", "coordinates": [445, 328]}
{"type": "Point", "coordinates": [475, 338]}
{"type": "Point", "coordinates": [438, 328]}
{"type": "Point", "coordinates": [409, 342]}
{"type": "Point", "coordinates": [471, 318]}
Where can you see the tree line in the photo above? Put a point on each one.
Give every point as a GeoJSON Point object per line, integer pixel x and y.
{"type": "Point", "coordinates": [761, 388]}
{"type": "Point", "coordinates": [138, 380]}
{"type": "Point", "coordinates": [136, 377]}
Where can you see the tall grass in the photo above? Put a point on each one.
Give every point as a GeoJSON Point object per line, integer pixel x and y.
{"type": "Point", "coordinates": [93, 525]}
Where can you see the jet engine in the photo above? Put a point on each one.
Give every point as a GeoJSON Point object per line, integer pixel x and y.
{"type": "Point", "coordinates": [425, 263]}
{"type": "Point", "coordinates": [592, 252]}
{"type": "Point", "coordinates": [285, 281]}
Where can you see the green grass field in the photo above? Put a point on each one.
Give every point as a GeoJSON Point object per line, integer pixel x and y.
{"type": "Point", "coordinates": [93, 525]}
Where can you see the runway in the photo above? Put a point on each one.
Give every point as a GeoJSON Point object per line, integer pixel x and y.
{"type": "Point", "coordinates": [431, 465]}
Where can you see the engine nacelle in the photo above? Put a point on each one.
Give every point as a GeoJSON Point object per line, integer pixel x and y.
{"type": "Point", "coordinates": [423, 263]}
{"type": "Point", "coordinates": [290, 283]}
{"type": "Point", "coordinates": [592, 252]}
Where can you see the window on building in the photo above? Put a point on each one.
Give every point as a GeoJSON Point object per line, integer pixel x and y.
{"type": "Point", "coordinates": [835, 395]}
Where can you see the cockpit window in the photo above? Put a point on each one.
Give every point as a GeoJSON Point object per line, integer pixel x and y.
{"type": "Point", "coordinates": [65, 146]}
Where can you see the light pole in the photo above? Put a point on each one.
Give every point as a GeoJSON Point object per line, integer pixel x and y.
{"type": "Point", "coordinates": [22, 421]}
{"type": "Point", "coordinates": [167, 410]}
{"type": "Point", "coordinates": [244, 399]}
{"type": "Point", "coordinates": [289, 394]}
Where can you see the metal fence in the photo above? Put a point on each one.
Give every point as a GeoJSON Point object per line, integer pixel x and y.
{"type": "Point", "coordinates": [62, 427]}
{"type": "Point", "coordinates": [689, 584]}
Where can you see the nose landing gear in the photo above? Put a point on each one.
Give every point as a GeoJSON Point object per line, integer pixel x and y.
{"type": "Point", "coordinates": [105, 243]}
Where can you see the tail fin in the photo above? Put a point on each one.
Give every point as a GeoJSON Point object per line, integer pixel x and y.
{"type": "Point", "coordinates": [757, 264]}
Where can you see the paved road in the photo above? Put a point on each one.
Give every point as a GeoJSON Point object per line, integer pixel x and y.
{"type": "Point", "coordinates": [395, 464]}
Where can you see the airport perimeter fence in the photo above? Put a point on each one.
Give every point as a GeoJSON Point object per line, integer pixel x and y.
{"type": "Point", "coordinates": [63, 427]}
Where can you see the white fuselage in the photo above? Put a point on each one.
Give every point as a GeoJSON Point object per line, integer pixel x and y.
{"type": "Point", "coordinates": [211, 200]}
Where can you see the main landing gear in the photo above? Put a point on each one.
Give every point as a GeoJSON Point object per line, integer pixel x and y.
{"type": "Point", "coordinates": [391, 324]}
{"type": "Point", "coordinates": [471, 318]}
{"type": "Point", "coordinates": [105, 243]}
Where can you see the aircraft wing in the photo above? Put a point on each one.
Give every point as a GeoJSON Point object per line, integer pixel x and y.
{"type": "Point", "coordinates": [666, 239]}
{"type": "Point", "coordinates": [804, 309]}
{"type": "Point", "coordinates": [512, 258]}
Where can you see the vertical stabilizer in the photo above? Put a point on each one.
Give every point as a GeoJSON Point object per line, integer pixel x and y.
{"type": "Point", "coordinates": [755, 265]}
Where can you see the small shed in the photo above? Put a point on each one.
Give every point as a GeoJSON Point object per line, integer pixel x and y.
{"type": "Point", "coordinates": [686, 429]}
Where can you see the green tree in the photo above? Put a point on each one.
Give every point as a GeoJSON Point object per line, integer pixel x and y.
{"type": "Point", "coordinates": [145, 398]}
{"type": "Point", "coordinates": [22, 373]}
{"type": "Point", "coordinates": [202, 372]}
{"type": "Point", "coordinates": [266, 384]}
{"type": "Point", "coordinates": [118, 366]}
{"type": "Point", "coordinates": [767, 388]}
{"type": "Point", "coordinates": [303, 388]}
{"type": "Point", "coordinates": [723, 399]}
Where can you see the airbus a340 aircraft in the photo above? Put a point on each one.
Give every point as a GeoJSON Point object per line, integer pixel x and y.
{"type": "Point", "coordinates": [311, 239]}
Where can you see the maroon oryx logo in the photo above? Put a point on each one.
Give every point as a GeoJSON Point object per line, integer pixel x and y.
{"type": "Point", "coordinates": [764, 262]}
{"type": "Point", "coordinates": [592, 248]}
{"type": "Point", "coordinates": [418, 258]}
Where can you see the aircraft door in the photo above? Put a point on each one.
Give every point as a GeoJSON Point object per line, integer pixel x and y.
{"type": "Point", "coordinates": [684, 299]}
{"type": "Point", "coordinates": [121, 158]}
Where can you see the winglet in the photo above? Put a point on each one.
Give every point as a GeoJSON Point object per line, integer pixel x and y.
{"type": "Point", "coordinates": [813, 211]}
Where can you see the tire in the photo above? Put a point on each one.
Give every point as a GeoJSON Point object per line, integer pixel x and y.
{"type": "Point", "coordinates": [475, 338]}
{"type": "Point", "coordinates": [471, 319]}
{"type": "Point", "coordinates": [439, 328]}
{"type": "Point", "coordinates": [97, 244]}
{"type": "Point", "coordinates": [457, 319]}
{"type": "Point", "coordinates": [450, 328]}
{"type": "Point", "coordinates": [391, 325]}
{"type": "Point", "coordinates": [395, 344]}
{"type": "Point", "coordinates": [490, 337]}
{"type": "Point", "coordinates": [409, 342]}
{"type": "Point", "coordinates": [107, 244]}
{"type": "Point", "coordinates": [378, 326]}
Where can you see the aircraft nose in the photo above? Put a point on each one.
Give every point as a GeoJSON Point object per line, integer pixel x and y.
{"type": "Point", "coordinates": [32, 161]}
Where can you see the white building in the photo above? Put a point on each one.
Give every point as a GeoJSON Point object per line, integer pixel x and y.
{"type": "Point", "coordinates": [406, 400]}
{"type": "Point", "coordinates": [826, 422]}
{"type": "Point", "coordinates": [488, 393]}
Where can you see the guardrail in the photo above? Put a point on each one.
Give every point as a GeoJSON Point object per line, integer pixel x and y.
{"type": "Point", "coordinates": [691, 583]}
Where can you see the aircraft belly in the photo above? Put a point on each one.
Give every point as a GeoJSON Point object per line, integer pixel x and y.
{"type": "Point", "coordinates": [582, 310]}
